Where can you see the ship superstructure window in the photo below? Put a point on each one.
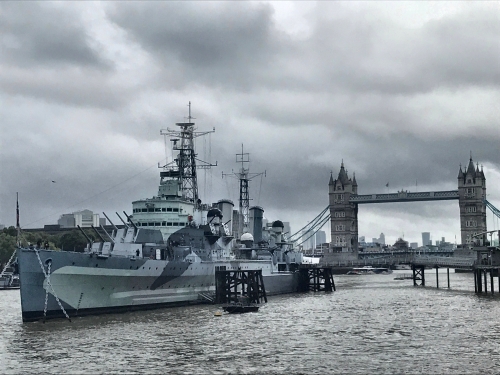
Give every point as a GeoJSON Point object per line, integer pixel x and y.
{"type": "Point", "coordinates": [144, 210]}
{"type": "Point", "coordinates": [157, 209]}
{"type": "Point", "coordinates": [163, 209]}
{"type": "Point", "coordinates": [175, 209]}
{"type": "Point", "coordinates": [169, 209]}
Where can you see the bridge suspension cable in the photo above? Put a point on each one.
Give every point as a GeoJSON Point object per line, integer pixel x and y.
{"type": "Point", "coordinates": [314, 226]}
{"type": "Point", "coordinates": [318, 227]}
{"type": "Point", "coordinates": [493, 209]}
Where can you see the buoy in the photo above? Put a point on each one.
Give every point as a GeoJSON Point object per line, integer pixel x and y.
{"type": "Point", "coordinates": [218, 313]}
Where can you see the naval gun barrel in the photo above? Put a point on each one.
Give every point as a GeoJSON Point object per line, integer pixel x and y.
{"type": "Point", "coordinates": [130, 220]}
{"type": "Point", "coordinates": [106, 216]}
{"type": "Point", "coordinates": [87, 237]}
{"type": "Point", "coordinates": [124, 223]}
{"type": "Point", "coordinates": [97, 232]}
{"type": "Point", "coordinates": [107, 234]}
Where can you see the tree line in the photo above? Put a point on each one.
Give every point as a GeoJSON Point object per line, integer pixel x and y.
{"type": "Point", "coordinates": [72, 240]}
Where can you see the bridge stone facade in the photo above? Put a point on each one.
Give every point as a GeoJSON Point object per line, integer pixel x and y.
{"type": "Point", "coordinates": [343, 212]}
{"type": "Point", "coordinates": [344, 201]}
{"type": "Point", "coordinates": [472, 195]}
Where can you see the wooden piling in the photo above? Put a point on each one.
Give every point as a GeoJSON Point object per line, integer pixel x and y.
{"type": "Point", "coordinates": [437, 277]}
{"type": "Point", "coordinates": [486, 281]}
{"type": "Point", "coordinates": [491, 281]}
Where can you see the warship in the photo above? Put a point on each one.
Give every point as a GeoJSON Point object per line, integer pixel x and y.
{"type": "Point", "coordinates": [145, 264]}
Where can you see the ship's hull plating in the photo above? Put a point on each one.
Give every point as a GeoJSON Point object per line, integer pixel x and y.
{"type": "Point", "coordinates": [86, 284]}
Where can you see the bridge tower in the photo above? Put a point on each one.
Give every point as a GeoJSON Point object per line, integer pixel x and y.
{"type": "Point", "coordinates": [344, 215]}
{"type": "Point", "coordinates": [471, 196]}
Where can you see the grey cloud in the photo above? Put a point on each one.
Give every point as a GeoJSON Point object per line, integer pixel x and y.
{"type": "Point", "coordinates": [41, 34]}
{"type": "Point", "coordinates": [74, 87]}
{"type": "Point", "coordinates": [223, 44]}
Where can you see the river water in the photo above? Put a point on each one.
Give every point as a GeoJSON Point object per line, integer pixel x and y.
{"type": "Point", "coordinates": [372, 324]}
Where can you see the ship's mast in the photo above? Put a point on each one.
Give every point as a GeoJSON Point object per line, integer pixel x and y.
{"type": "Point", "coordinates": [185, 168]}
{"type": "Point", "coordinates": [244, 177]}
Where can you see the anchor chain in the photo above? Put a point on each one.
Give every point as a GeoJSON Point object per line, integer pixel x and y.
{"type": "Point", "coordinates": [47, 278]}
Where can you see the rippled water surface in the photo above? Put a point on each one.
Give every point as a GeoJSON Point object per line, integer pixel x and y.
{"type": "Point", "coordinates": [373, 324]}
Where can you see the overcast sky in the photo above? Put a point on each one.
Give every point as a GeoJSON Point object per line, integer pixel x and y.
{"type": "Point", "coordinates": [402, 92]}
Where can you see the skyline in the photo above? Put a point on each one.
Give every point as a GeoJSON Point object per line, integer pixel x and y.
{"type": "Point", "coordinates": [402, 93]}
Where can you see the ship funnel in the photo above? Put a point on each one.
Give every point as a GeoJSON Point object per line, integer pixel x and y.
{"type": "Point", "coordinates": [226, 207]}
{"type": "Point", "coordinates": [256, 216]}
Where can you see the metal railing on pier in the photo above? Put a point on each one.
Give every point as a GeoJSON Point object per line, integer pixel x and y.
{"type": "Point", "coordinates": [451, 262]}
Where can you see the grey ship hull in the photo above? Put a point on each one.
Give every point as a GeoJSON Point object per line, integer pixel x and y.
{"type": "Point", "coordinates": [87, 284]}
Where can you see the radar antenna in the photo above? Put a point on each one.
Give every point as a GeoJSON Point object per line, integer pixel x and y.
{"type": "Point", "coordinates": [184, 166]}
{"type": "Point", "coordinates": [244, 177]}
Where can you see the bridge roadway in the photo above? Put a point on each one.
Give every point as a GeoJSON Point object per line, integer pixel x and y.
{"type": "Point", "coordinates": [405, 196]}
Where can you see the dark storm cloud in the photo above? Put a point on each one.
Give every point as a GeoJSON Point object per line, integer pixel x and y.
{"type": "Point", "coordinates": [363, 52]}
{"type": "Point", "coordinates": [48, 54]}
{"type": "Point", "coordinates": [41, 34]}
{"type": "Point", "coordinates": [222, 44]}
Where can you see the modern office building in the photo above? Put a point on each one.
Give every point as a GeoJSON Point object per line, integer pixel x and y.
{"type": "Point", "coordinates": [84, 219]}
{"type": "Point", "coordinates": [426, 239]}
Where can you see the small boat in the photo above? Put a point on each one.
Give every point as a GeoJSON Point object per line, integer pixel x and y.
{"type": "Point", "coordinates": [369, 270]}
{"type": "Point", "coordinates": [406, 277]}
{"type": "Point", "coordinates": [240, 308]}
{"type": "Point", "coordinates": [243, 305]}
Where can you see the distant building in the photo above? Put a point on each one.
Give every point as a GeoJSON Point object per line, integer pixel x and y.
{"type": "Point", "coordinates": [380, 240]}
{"type": "Point", "coordinates": [426, 239]}
{"type": "Point", "coordinates": [414, 245]}
{"type": "Point", "coordinates": [320, 237]}
{"type": "Point", "coordinates": [400, 244]}
{"type": "Point", "coordinates": [84, 219]}
{"type": "Point", "coordinates": [307, 243]}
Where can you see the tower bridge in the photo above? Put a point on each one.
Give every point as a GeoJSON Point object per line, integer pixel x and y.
{"type": "Point", "coordinates": [344, 200]}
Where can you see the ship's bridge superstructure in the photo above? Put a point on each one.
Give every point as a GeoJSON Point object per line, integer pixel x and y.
{"type": "Point", "coordinates": [177, 202]}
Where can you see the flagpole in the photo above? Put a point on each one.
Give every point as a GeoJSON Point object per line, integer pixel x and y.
{"type": "Point", "coordinates": [18, 227]}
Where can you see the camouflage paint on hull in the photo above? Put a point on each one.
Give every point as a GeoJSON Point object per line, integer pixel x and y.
{"type": "Point", "coordinates": [86, 284]}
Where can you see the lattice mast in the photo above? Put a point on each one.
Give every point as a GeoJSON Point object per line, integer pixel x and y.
{"type": "Point", "coordinates": [244, 176]}
{"type": "Point", "coordinates": [184, 166]}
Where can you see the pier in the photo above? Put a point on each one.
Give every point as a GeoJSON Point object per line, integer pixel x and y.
{"type": "Point", "coordinates": [229, 285]}
{"type": "Point", "coordinates": [316, 278]}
